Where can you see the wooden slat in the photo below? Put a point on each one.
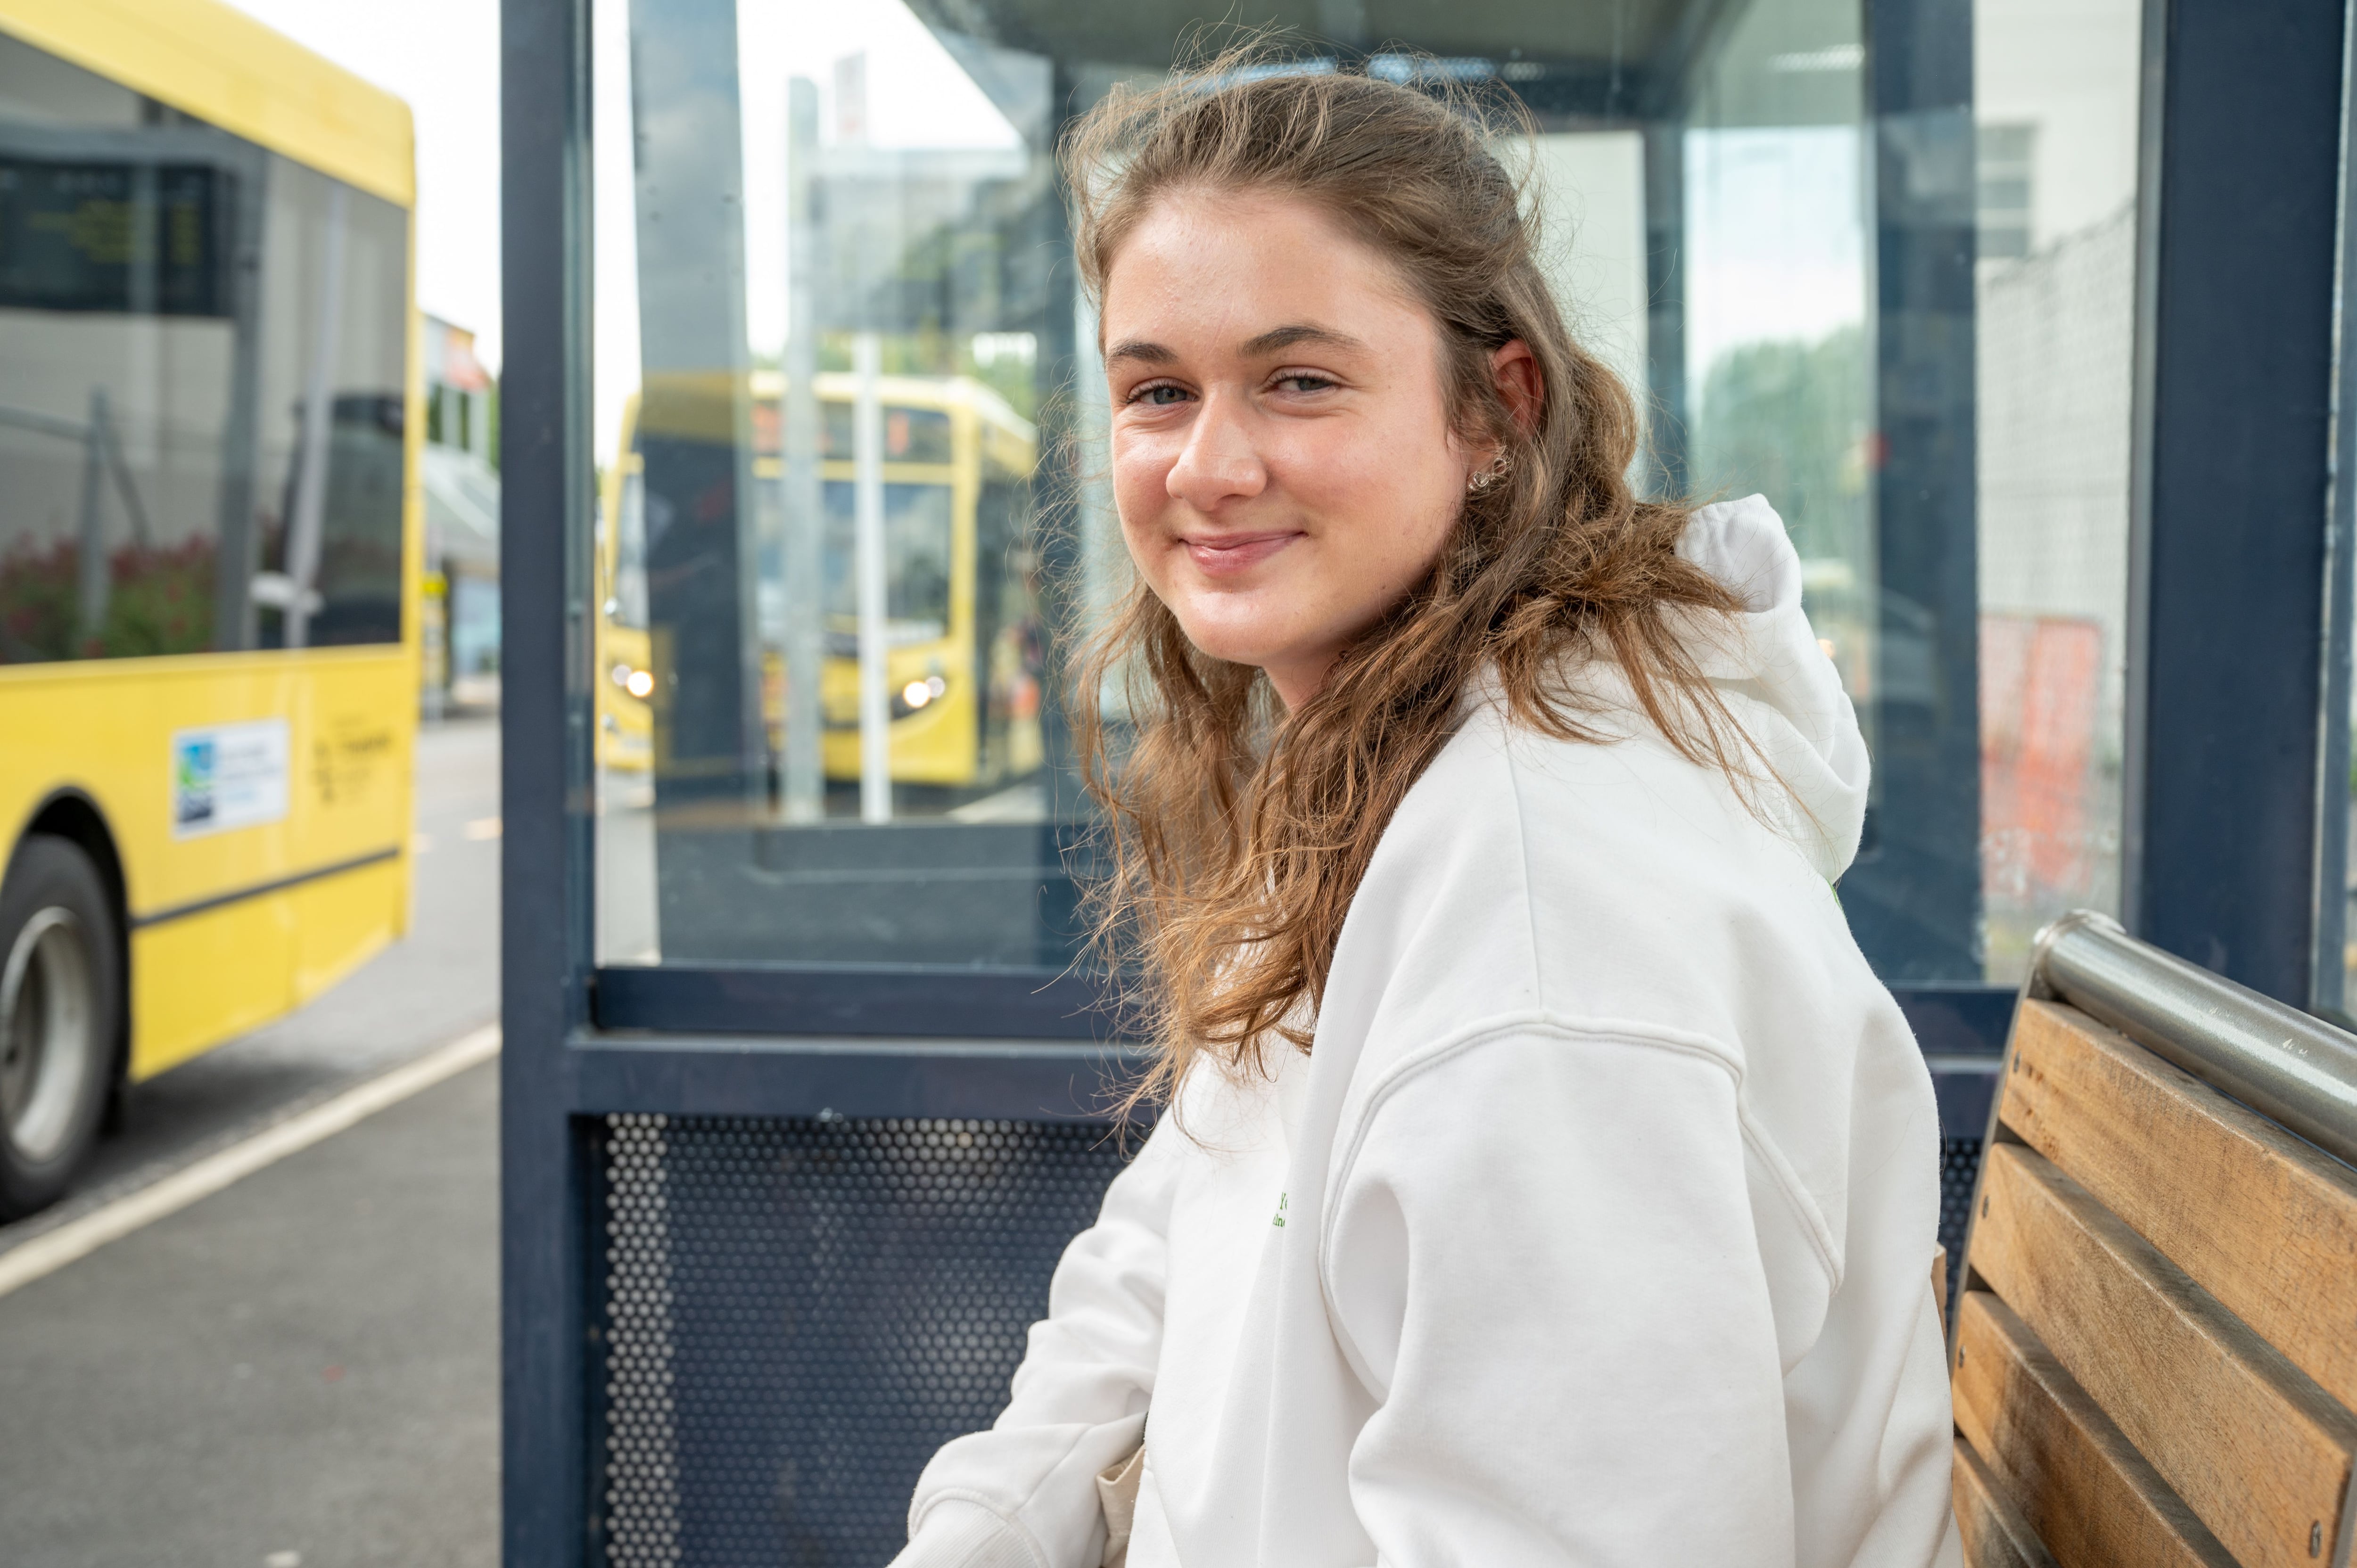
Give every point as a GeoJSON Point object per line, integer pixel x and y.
{"type": "Point", "coordinates": [1994, 1535]}
{"type": "Point", "coordinates": [2058, 1458]}
{"type": "Point", "coordinates": [2259, 1452]}
{"type": "Point", "coordinates": [2260, 1219]}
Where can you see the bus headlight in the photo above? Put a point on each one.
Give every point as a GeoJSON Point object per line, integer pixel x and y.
{"type": "Point", "coordinates": [636, 683]}
{"type": "Point", "coordinates": [917, 695]}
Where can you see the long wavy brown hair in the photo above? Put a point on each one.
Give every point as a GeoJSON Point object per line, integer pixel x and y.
{"type": "Point", "coordinates": [1234, 835]}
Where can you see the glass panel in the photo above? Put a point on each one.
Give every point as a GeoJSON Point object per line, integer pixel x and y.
{"type": "Point", "coordinates": [851, 528]}
{"type": "Point", "coordinates": [172, 300]}
{"type": "Point", "coordinates": [918, 542]}
{"type": "Point", "coordinates": [2056, 113]}
{"type": "Point", "coordinates": [1780, 385]}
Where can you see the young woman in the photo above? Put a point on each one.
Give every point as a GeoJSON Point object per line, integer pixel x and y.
{"type": "Point", "coordinates": [1547, 1178]}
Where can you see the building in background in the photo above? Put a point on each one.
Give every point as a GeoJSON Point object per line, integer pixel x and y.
{"type": "Point", "coordinates": [459, 466]}
{"type": "Point", "coordinates": [2055, 90]}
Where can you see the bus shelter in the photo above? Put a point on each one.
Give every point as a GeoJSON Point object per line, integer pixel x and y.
{"type": "Point", "coordinates": [2024, 316]}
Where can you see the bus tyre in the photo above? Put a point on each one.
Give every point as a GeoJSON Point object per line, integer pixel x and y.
{"type": "Point", "coordinates": [60, 995]}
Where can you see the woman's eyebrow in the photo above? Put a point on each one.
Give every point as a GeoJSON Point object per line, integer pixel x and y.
{"type": "Point", "coordinates": [1278, 339]}
{"type": "Point", "coordinates": [1275, 340]}
{"type": "Point", "coordinates": [1138, 349]}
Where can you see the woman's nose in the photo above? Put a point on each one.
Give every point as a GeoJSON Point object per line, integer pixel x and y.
{"type": "Point", "coordinates": [1220, 462]}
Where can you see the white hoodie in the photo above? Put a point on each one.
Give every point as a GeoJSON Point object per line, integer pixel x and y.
{"type": "Point", "coordinates": [1597, 1226]}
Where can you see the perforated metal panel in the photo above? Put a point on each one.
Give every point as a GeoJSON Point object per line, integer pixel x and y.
{"type": "Point", "coordinates": [1960, 1167]}
{"type": "Point", "coordinates": [798, 1312]}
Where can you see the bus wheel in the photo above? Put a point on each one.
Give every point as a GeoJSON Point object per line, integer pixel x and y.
{"type": "Point", "coordinates": [59, 991]}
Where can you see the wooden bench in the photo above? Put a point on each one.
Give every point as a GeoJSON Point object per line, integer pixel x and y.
{"type": "Point", "coordinates": [2154, 1347]}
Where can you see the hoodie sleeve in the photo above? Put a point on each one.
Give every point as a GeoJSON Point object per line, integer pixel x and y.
{"type": "Point", "coordinates": [1544, 1267]}
{"type": "Point", "coordinates": [1023, 1494]}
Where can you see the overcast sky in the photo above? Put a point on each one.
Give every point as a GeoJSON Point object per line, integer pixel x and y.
{"type": "Point", "coordinates": [442, 56]}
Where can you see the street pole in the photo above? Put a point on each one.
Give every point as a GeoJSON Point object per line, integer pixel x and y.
{"type": "Point", "coordinates": [867, 514]}
{"type": "Point", "coordinates": [805, 654]}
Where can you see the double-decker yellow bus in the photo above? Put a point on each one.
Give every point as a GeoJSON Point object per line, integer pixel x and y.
{"type": "Point", "coordinates": [209, 537]}
{"type": "Point", "coordinates": [962, 669]}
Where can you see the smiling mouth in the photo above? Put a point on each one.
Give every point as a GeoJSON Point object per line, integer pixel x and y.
{"type": "Point", "coordinates": [1234, 553]}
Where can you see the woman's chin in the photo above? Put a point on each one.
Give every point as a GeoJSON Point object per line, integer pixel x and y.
{"type": "Point", "coordinates": [1233, 644]}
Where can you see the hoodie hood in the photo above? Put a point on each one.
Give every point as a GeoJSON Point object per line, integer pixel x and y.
{"type": "Point", "coordinates": [1775, 678]}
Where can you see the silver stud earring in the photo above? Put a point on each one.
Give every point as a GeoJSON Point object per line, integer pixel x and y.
{"type": "Point", "coordinates": [1500, 466]}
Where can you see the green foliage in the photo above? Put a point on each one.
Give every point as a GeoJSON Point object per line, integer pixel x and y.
{"type": "Point", "coordinates": [37, 603]}
{"type": "Point", "coordinates": [1792, 420]}
{"type": "Point", "coordinates": [162, 601]}
{"type": "Point", "coordinates": [1015, 380]}
{"type": "Point", "coordinates": [159, 601]}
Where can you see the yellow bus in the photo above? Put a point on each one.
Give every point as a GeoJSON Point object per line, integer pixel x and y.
{"type": "Point", "coordinates": [963, 666]}
{"type": "Point", "coordinates": [208, 546]}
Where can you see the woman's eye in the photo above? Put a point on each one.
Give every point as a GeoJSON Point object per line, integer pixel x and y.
{"type": "Point", "coordinates": [1303, 382]}
{"type": "Point", "coordinates": [1161, 395]}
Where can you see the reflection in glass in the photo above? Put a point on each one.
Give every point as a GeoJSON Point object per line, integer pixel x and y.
{"type": "Point", "coordinates": [1780, 394]}
{"type": "Point", "coordinates": [202, 369]}
{"type": "Point", "coordinates": [2056, 106]}
{"type": "Point", "coordinates": [917, 547]}
{"type": "Point", "coordinates": [854, 525]}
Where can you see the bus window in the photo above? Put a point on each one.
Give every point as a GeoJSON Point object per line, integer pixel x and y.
{"type": "Point", "coordinates": [183, 317]}
{"type": "Point", "coordinates": [328, 422]}
{"type": "Point", "coordinates": [117, 360]}
{"type": "Point", "coordinates": [915, 435]}
{"type": "Point", "coordinates": [910, 434]}
{"type": "Point", "coordinates": [917, 535]}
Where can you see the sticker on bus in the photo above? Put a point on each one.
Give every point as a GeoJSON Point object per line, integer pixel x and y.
{"type": "Point", "coordinates": [227, 776]}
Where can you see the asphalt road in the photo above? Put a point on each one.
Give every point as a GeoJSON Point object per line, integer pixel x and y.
{"type": "Point", "coordinates": [301, 1371]}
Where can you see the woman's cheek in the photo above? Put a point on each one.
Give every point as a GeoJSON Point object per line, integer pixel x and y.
{"type": "Point", "coordinates": [1141, 474]}
{"type": "Point", "coordinates": [1344, 468]}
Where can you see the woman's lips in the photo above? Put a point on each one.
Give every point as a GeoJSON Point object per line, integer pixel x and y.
{"type": "Point", "coordinates": [1224, 555]}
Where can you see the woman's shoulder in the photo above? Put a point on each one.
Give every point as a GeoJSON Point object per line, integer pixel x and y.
{"type": "Point", "coordinates": [1618, 827]}
{"type": "Point", "coordinates": [1527, 873]}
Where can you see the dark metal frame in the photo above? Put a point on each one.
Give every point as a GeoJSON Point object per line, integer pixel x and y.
{"type": "Point", "coordinates": [543, 945]}
{"type": "Point", "coordinates": [2337, 658]}
{"type": "Point", "coordinates": [1042, 1004]}
{"type": "Point", "coordinates": [1914, 896]}
{"type": "Point", "coordinates": [580, 1045]}
{"type": "Point", "coordinates": [2238, 208]}
{"type": "Point", "coordinates": [2240, 213]}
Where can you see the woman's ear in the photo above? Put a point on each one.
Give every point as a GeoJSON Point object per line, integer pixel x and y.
{"type": "Point", "coordinates": [1515, 370]}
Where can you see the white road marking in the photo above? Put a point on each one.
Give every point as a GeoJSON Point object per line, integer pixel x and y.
{"type": "Point", "coordinates": [53, 1250]}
